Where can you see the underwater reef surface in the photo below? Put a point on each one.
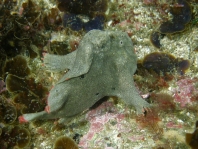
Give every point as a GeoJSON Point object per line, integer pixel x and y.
{"type": "Point", "coordinates": [164, 37]}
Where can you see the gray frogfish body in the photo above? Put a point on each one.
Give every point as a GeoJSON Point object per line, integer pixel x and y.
{"type": "Point", "coordinates": [103, 65]}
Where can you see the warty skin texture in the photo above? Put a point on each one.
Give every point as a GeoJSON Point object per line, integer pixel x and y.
{"type": "Point", "coordinates": [103, 65]}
